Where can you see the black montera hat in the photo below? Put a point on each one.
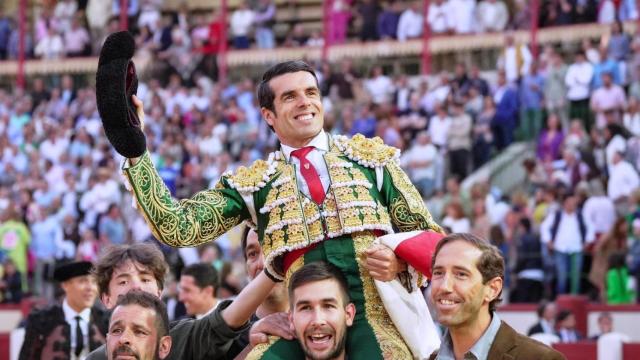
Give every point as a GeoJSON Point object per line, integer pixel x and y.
{"type": "Point", "coordinates": [66, 271]}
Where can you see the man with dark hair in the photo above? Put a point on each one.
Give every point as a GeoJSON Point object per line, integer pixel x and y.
{"type": "Point", "coordinates": [321, 311]}
{"type": "Point", "coordinates": [547, 315]}
{"type": "Point", "coordinates": [69, 330]}
{"type": "Point", "coordinates": [317, 187]}
{"type": "Point", "coordinates": [467, 279]}
{"type": "Point", "coordinates": [139, 328]}
{"type": "Point", "coordinates": [123, 268]}
{"type": "Point", "coordinates": [198, 289]}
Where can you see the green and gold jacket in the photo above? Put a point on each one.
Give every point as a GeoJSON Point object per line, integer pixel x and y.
{"type": "Point", "coordinates": [368, 192]}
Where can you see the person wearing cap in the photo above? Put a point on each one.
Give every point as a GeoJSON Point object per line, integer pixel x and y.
{"type": "Point", "coordinates": [72, 329]}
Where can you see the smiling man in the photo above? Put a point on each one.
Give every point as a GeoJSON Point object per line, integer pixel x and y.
{"type": "Point", "coordinates": [321, 310]}
{"type": "Point", "coordinates": [198, 288]}
{"type": "Point", "coordinates": [466, 285]}
{"type": "Point", "coordinates": [318, 197]}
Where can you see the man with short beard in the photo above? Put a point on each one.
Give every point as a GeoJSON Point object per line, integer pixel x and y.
{"type": "Point", "coordinates": [321, 311]}
{"type": "Point", "coordinates": [139, 328]}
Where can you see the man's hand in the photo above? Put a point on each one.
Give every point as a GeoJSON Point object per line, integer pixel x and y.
{"type": "Point", "coordinates": [275, 324]}
{"type": "Point", "coordinates": [382, 263]}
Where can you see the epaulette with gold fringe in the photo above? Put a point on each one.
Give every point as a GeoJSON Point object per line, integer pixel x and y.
{"type": "Point", "coordinates": [367, 152]}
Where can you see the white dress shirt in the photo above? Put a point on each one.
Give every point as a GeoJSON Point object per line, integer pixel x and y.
{"type": "Point", "coordinates": [568, 237]}
{"type": "Point", "coordinates": [623, 180]}
{"type": "Point", "coordinates": [70, 318]}
{"type": "Point", "coordinates": [315, 157]}
{"type": "Point", "coordinates": [578, 80]}
{"type": "Point", "coordinates": [600, 212]}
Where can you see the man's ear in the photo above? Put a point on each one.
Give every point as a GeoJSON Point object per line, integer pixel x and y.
{"type": "Point", "coordinates": [106, 300]}
{"type": "Point", "coordinates": [268, 116]}
{"type": "Point", "coordinates": [291, 327]}
{"type": "Point", "coordinates": [493, 289]}
{"type": "Point", "coordinates": [164, 347]}
{"type": "Point", "coordinates": [350, 309]}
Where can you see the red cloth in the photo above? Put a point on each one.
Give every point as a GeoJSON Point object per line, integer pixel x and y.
{"type": "Point", "coordinates": [418, 250]}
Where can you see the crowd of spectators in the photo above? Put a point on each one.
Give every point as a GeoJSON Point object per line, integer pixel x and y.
{"type": "Point", "coordinates": [573, 227]}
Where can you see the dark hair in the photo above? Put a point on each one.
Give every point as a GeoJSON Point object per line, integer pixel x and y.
{"type": "Point", "coordinates": [490, 264]}
{"type": "Point", "coordinates": [243, 241]}
{"type": "Point", "coordinates": [542, 307]}
{"type": "Point", "coordinates": [526, 224]}
{"type": "Point", "coordinates": [319, 271]}
{"type": "Point", "coordinates": [266, 94]}
{"type": "Point", "coordinates": [203, 275]}
{"type": "Point", "coordinates": [145, 254]}
{"type": "Point", "coordinates": [563, 315]}
{"type": "Point", "coordinates": [148, 301]}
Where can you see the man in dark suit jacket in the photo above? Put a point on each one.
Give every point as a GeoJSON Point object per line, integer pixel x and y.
{"type": "Point", "coordinates": [547, 315]}
{"type": "Point", "coordinates": [69, 330]}
{"type": "Point", "coordinates": [466, 284]}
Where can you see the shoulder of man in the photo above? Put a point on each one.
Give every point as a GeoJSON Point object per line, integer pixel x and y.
{"type": "Point", "coordinates": [254, 177]}
{"type": "Point", "coordinates": [368, 152]}
{"type": "Point", "coordinates": [47, 316]}
{"type": "Point", "coordinates": [525, 347]}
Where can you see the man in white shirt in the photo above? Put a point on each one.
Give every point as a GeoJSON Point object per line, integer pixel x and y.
{"type": "Point", "coordinates": [515, 59]}
{"type": "Point", "coordinates": [437, 18]}
{"type": "Point", "coordinates": [240, 23]}
{"type": "Point", "coordinates": [421, 159]}
{"type": "Point", "coordinates": [461, 16]}
{"type": "Point", "coordinates": [599, 210]}
{"type": "Point", "coordinates": [492, 15]}
{"type": "Point", "coordinates": [410, 24]}
{"type": "Point", "coordinates": [380, 87]}
{"type": "Point", "coordinates": [565, 232]}
{"type": "Point", "coordinates": [198, 289]}
{"type": "Point", "coordinates": [578, 81]}
{"type": "Point", "coordinates": [74, 326]}
{"type": "Point", "coordinates": [623, 179]}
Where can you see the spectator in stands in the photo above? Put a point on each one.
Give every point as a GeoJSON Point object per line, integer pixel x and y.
{"type": "Point", "coordinates": [461, 16]}
{"type": "Point", "coordinates": [133, 9]}
{"type": "Point", "coordinates": [492, 16]}
{"type": "Point", "coordinates": [631, 117]}
{"type": "Point", "coordinates": [47, 236]}
{"type": "Point", "coordinates": [455, 219]}
{"type": "Point", "coordinates": [369, 11]}
{"type": "Point", "coordinates": [5, 33]}
{"type": "Point", "coordinates": [241, 21]}
{"type": "Point", "coordinates": [608, 98]}
{"type": "Point", "coordinates": [420, 160]}
{"type": "Point", "coordinates": [149, 15]}
{"type": "Point", "coordinates": [606, 12]}
{"type": "Point", "coordinates": [112, 228]}
{"type": "Point", "coordinates": [411, 22]}
{"type": "Point", "coordinates": [340, 17]}
{"type": "Point", "coordinates": [566, 327]}
{"type": "Point", "coordinates": [515, 59]}
{"type": "Point", "coordinates": [388, 20]}
{"type": "Point", "coordinates": [613, 242]}
{"type": "Point", "coordinates": [615, 138]}
{"type": "Point", "coordinates": [64, 12]}
{"type": "Point", "coordinates": [505, 97]}
{"type": "Point", "coordinates": [439, 126]}
{"type": "Point", "coordinates": [51, 46]}
{"type": "Point", "coordinates": [532, 98]}
{"type": "Point", "coordinates": [618, 283]}
{"type": "Point", "coordinates": [578, 81]}
{"type": "Point", "coordinates": [623, 181]}
{"type": "Point", "coordinates": [365, 123]}
{"type": "Point", "coordinates": [482, 135]}
{"type": "Point", "coordinates": [605, 325]}
{"type": "Point", "coordinates": [550, 140]}
{"type": "Point", "coordinates": [480, 218]}
{"type": "Point", "coordinates": [572, 169]}
{"type": "Point", "coordinates": [618, 47]}
{"type": "Point", "coordinates": [459, 141]}
{"type": "Point", "coordinates": [529, 269]}
{"type": "Point", "coordinates": [476, 81]}
{"type": "Point", "coordinates": [555, 90]}
{"type": "Point", "coordinates": [379, 86]}
{"type": "Point", "coordinates": [521, 15]}
{"type": "Point", "coordinates": [14, 240]}
{"type": "Point", "coordinates": [547, 315]}
{"type": "Point", "coordinates": [264, 20]}
{"type": "Point", "coordinates": [566, 233]}
{"type": "Point", "coordinates": [11, 283]}
{"type": "Point", "coordinates": [438, 17]}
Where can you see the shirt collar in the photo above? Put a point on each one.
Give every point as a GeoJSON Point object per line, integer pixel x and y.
{"type": "Point", "coordinates": [200, 316]}
{"type": "Point", "coordinates": [320, 142]}
{"type": "Point", "coordinates": [480, 350]}
{"type": "Point", "coordinates": [70, 314]}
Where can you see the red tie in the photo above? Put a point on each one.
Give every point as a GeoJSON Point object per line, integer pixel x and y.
{"type": "Point", "coordinates": [310, 174]}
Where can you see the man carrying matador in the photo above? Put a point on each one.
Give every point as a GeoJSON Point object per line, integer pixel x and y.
{"type": "Point", "coordinates": [319, 197]}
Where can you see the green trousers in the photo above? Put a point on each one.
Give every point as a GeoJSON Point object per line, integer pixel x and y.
{"type": "Point", "coordinates": [372, 335]}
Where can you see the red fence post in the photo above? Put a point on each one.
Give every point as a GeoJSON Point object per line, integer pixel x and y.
{"type": "Point", "coordinates": [124, 16]}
